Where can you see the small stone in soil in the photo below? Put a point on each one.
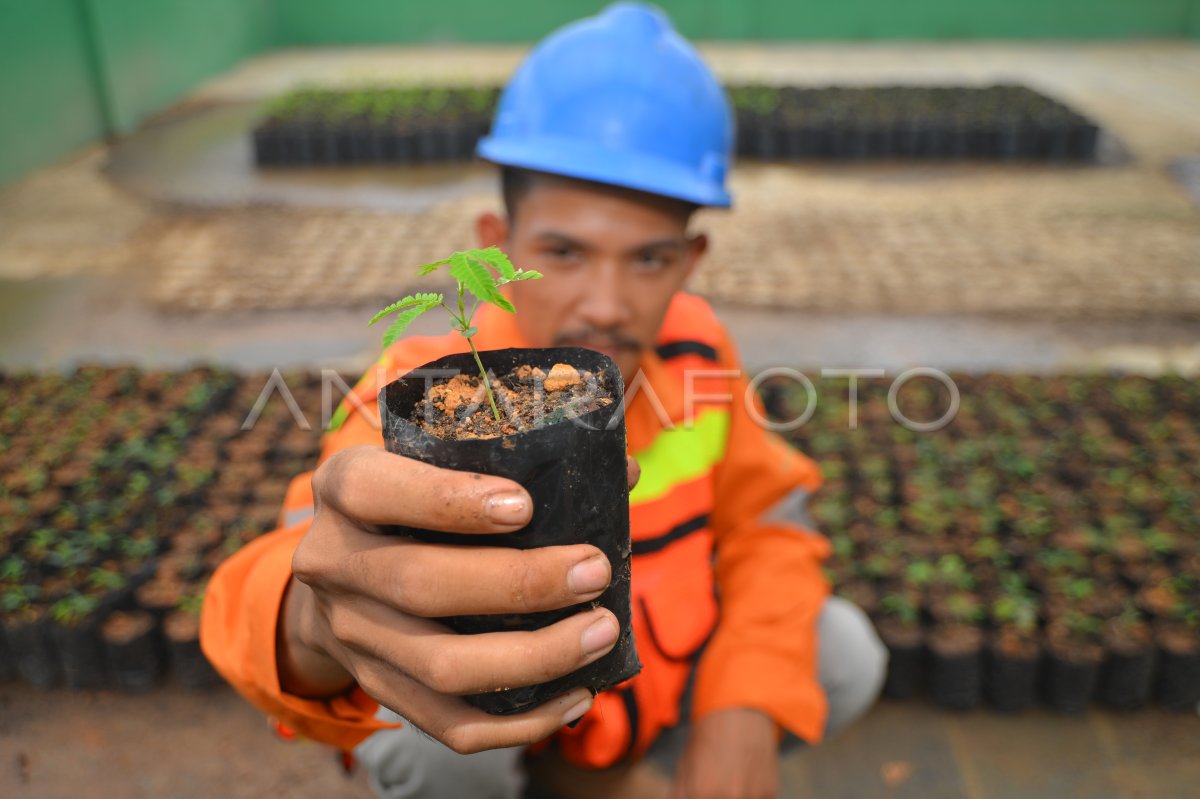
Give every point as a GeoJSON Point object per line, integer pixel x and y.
{"type": "Point", "coordinates": [562, 376]}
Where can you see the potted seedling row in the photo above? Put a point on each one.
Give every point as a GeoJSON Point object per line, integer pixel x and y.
{"type": "Point", "coordinates": [415, 124]}
{"type": "Point", "coordinates": [374, 125]}
{"type": "Point", "coordinates": [122, 489]}
{"type": "Point", "coordinates": [998, 122]}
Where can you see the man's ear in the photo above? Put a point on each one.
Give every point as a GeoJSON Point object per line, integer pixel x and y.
{"type": "Point", "coordinates": [697, 246]}
{"type": "Point", "coordinates": [491, 230]}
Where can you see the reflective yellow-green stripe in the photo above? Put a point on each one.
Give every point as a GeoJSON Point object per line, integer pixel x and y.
{"type": "Point", "coordinates": [681, 454]}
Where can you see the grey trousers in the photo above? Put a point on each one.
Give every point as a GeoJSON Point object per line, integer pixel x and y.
{"type": "Point", "coordinates": [404, 763]}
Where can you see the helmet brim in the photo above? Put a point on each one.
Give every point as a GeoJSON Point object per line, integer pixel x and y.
{"type": "Point", "coordinates": [587, 161]}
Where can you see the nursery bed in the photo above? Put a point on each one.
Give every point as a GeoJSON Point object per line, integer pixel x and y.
{"type": "Point", "coordinates": [1041, 547]}
{"type": "Point", "coordinates": [417, 124]}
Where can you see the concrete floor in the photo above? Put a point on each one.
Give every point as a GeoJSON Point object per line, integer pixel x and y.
{"type": "Point", "coordinates": [58, 323]}
{"type": "Point", "coordinates": [171, 743]}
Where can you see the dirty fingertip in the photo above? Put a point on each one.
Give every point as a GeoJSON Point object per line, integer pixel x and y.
{"type": "Point", "coordinates": [579, 702]}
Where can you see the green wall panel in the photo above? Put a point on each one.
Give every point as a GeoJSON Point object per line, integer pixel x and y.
{"type": "Point", "coordinates": [154, 51]}
{"type": "Point", "coordinates": [316, 22]}
{"type": "Point", "coordinates": [954, 19]}
{"type": "Point", "coordinates": [46, 85]}
{"type": "Point", "coordinates": [305, 22]}
{"type": "Point", "coordinates": [73, 70]}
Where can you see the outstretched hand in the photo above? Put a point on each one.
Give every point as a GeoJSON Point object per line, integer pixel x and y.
{"type": "Point", "coordinates": [361, 604]}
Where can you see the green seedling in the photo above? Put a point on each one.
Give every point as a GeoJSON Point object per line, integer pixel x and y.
{"type": "Point", "coordinates": [1082, 624]}
{"type": "Point", "coordinates": [191, 603]}
{"type": "Point", "coordinates": [73, 609]}
{"type": "Point", "coordinates": [964, 608]}
{"type": "Point", "coordinates": [901, 607]}
{"type": "Point", "coordinates": [15, 599]}
{"type": "Point", "coordinates": [1019, 610]}
{"type": "Point", "coordinates": [106, 579]}
{"type": "Point", "coordinates": [479, 273]}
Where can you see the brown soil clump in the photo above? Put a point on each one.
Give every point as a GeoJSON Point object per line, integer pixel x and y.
{"type": "Point", "coordinates": [527, 397]}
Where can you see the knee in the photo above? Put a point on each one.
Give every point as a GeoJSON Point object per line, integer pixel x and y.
{"type": "Point", "coordinates": [391, 760]}
{"type": "Point", "coordinates": [853, 661]}
{"type": "Point", "coordinates": [404, 763]}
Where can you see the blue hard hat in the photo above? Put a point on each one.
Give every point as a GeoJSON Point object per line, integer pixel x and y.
{"type": "Point", "coordinates": [618, 98]}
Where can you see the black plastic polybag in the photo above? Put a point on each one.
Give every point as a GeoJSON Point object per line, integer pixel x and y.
{"type": "Point", "coordinates": [575, 472]}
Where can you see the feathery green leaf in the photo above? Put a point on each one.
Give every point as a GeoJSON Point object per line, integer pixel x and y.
{"type": "Point", "coordinates": [495, 257]}
{"type": "Point", "coordinates": [420, 298]}
{"type": "Point", "coordinates": [430, 268]}
{"type": "Point", "coordinates": [476, 277]}
{"type": "Point", "coordinates": [401, 323]}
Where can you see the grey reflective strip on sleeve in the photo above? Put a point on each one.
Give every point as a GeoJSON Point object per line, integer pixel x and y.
{"type": "Point", "coordinates": [297, 516]}
{"type": "Point", "coordinates": [791, 510]}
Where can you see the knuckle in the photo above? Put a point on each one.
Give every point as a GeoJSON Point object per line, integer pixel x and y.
{"type": "Point", "coordinates": [323, 475]}
{"type": "Point", "coordinates": [528, 586]}
{"type": "Point", "coordinates": [464, 740]}
{"type": "Point", "coordinates": [441, 672]}
{"type": "Point", "coordinates": [406, 595]}
{"type": "Point", "coordinates": [336, 478]}
{"type": "Point", "coordinates": [306, 564]}
{"type": "Point", "coordinates": [338, 618]}
{"type": "Point", "coordinates": [373, 684]}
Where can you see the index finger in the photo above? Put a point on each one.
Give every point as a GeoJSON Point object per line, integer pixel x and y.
{"type": "Point", "coordinates": [372, 486]}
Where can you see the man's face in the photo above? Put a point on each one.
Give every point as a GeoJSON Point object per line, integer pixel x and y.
{"type": "Point", "coordinates": [612, 260]}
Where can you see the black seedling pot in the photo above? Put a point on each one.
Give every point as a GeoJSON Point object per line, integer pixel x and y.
{"type": "Point", "coordinates": [1070, 683]}
{"type": "Point", "coordinates": [135, 664]}
{"type": "Point", "coordinates": [575, 472]}
{"type": "Point", "coordinates": [7, 666]}
{"type": "Point", "coordinates": [1179, 680]}
{"type": "Point", "coordinates": [81, 655]}
{"type": "Point", "coordinates": [1011, 681]}
{"type": "Point", "coordinates": [1127, 677]}
{"type": "Point", "coordinates": [955, 671]}
{"type": "Point", "coordinates": [189, 667]}
{"type": "Point", "coordinates": [906, 652]}
{"type": "Point", "coordinates": [32, 653]}
{"type": "Point", "coordinates": [956, 680]}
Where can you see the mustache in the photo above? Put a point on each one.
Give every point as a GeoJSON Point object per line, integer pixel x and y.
{"type": "Point", "coordinates": [593, 338]}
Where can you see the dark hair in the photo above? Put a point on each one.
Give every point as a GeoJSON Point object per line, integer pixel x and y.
{"type": "Point", "coordinates": [515, 183]}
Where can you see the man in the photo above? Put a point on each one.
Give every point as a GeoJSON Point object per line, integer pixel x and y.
{"type": "Point", "coordinates": [609, 136]}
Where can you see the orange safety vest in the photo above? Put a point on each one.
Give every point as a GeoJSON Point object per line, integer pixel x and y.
{"type": "Point", "coordinates": [706, 567]}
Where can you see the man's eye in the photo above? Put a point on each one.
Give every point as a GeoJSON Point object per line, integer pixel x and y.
{"type": "Point", "coordinates": [651, 262]}
{"type": "Point", "coordinates": [564, 254]}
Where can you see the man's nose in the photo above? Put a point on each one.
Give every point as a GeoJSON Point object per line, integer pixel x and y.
{"type": "Point", "coordinates": [604, 306]}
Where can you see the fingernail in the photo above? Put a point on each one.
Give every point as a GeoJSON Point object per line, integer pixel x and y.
{"type": "Point", "coordinates": [589, 576]}
{"type": "Point", "coordinates": [600, 635]}
{"type": "Point", "coordinates": [508, 509]}
{"type": "Point", "coordinates": [578, 709]}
